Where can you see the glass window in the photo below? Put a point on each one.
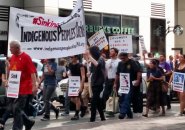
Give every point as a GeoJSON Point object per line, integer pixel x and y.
{"type": "Point", "coordinates": [130, 25]}
{"type": "Point", "coordinates": [158, 35]}
{"type": "Point", "coordinates": [111, 20]}
{"type": "Point", "coordinates": [93, 23]}
{"type": "Point", "coordinates": [92, 18]}
{"type": "Point", "coordinates": [64, 13]}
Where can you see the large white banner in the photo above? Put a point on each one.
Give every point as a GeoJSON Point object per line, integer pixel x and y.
{"type": "Point", "coordinates": [44, 36]}
{"type": "Point", "coordinates": [178, 81]}
{"type": "Point", "coordinates": [13, 84]}
{"type": "Point", "coordinates": [98, 39]}
{"type": "Point", "coordinates": [122, 42]}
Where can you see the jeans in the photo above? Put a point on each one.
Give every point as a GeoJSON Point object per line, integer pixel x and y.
{"type": "Point", "coordinates": [67, 102]}
{"type": "Point", "coordinates": [124, 104]}
{"type": "Point", "coordinates": [48, 92]}
{"type": "Point", "coordinates": [96, 103]}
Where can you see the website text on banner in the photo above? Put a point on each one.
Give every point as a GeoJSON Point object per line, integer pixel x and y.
{"type": "Point", "coordinates": [98, 39]}
{"type": "Point", "coordinates": [74, 86]}
{"type": "Point", "coordinates": [13, 84]}
{"type": "Point", "coordinates": [44, 36]}
{"type": "Point", "coordinates": [178, 81]}
{"type": "Point", "coordinates": [122, 42]}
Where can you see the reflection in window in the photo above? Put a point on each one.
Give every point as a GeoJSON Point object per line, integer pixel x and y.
{"type": "Point", "coordinates": [111, 20]}
{"type": "Point", "coordinates": [64, 13]}
{"type": "Point", "coordinates": [158, 36]}
{"type": "Point", "coordinates": [92, 19]}
{"type": "Point", "coordinates": [131, 23]}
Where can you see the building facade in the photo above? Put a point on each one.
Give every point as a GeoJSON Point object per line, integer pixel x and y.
{"type": "Point", "coordinates": [180, 20]}
{"type": "Point", "coordinates": [147, 18]}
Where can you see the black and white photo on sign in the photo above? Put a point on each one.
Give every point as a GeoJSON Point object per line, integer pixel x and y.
{"type": "Point", "coordinates": [178, 81]}
{"type": "Point", "coordinates": [124, 83]}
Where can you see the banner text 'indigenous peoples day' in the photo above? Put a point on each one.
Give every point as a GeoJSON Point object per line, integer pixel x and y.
{"type": "Point", "coordinates": [43, 36]}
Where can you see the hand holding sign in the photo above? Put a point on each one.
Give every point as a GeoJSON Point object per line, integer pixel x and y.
{"type": "Point", "coordinates": [98, 39]}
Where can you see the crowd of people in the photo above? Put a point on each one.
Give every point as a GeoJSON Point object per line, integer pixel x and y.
{"type": "Point", "coordinates": [99, 79]}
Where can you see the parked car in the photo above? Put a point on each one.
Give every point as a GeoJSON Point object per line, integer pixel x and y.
{"type": "Point", "coordinates": [36, 102]}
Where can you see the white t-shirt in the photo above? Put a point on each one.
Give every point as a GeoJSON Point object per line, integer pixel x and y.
{"type": "Point", "coordinates": [111, 67]}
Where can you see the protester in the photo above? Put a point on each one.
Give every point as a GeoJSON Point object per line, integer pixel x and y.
{"type": "Point", "coordinates": [167, 72]}
{"type": "Point", "coordinates": [176, 60]}
{"type": "Point", "coordinates": [50, 83]}
{"type": "Point", "coordinates": [20, 61]}
{"type": "Point", "coordinates": [181, 69]}
{"type": "Point", "coordinates": [154, 92]}
{"type": "Point", "coordinates": [85, 94]}
{"type": "Point", "coordinates": [61, 70]}
{"type": "Point", "coordinates": [137, 95]}
{"type": "Point", "coordinates": [111, 68]}
{"type": "Point", "coordinates": [97, 81]}
{"type": "Point", "coordinates": [171, 62]}
{"type": "Point", "coordinates": [130, 67]}
{"type": "Point", "coordinates": [77, 69]}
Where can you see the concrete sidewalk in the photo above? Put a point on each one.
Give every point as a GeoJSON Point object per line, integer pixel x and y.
{"type": "Point", "coordinates": [170, 122]}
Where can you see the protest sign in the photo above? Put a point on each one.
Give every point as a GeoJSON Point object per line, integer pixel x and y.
{"type": "Point", "coordinates": [44, 36]}
{"type": "Point", "coordinates": [13, 84]}
{"type": "Point", "coordinates": [124, 83]}
{"type": "Point", "coordinates": [122, 42]}
{"type": "Point", "coordinates": [142, 44]}
{"type": "Point", "coordinates": [98, 39]}
{"type": "Point", "coordinates": [178, 81]}
{"type": "Point", "coordinates": [74, 86]}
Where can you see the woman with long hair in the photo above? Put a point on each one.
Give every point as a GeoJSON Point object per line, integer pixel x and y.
{"type": "Point", "coordinates": [97, 81]}
{"type": "Point", "coordinates": [154, 92]}
{"type": "Point", "coordinates": [181, 69]}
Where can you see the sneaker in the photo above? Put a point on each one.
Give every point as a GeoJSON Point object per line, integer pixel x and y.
{"type": "Point", "coordinates": [92, 120]}
{"type": "Point", "coordinates": [130, 115]}
{"type": "Point", "coordinates": [121, 116]}
{"type": "Point", "coordinates": [83, 111]}
{"type": "Point", "coordinates": [45, 118]}
{"type": "Point", "coordinates": [145, 115]}
{"type": "Point", "coordinates": [29, 125]}
{"type": "Point", "coordinates": [1, 125]}
{"type": "Point", "coordinates": [103, 119]}
{"type": "Point", "coordinates": [75, 118]}
{"type": "Point", "coordinates": [65, 114]}
{"type": "Point", "coordinates": [168, 108]}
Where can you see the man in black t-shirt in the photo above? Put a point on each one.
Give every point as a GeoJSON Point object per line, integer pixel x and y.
{"type": "Point", "coordinates": [129, 67]}
{"type": "Point", "coordinates": [77, 69]}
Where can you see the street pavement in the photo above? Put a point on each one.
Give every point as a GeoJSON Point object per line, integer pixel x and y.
{"type": "Point", "coordinates": [172, 121]}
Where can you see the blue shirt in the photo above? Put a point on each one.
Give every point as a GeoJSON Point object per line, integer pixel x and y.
{"type": "Point", "coordinates": [50, 79]}
{"type": "Point", "coordinates": [154, 72]}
